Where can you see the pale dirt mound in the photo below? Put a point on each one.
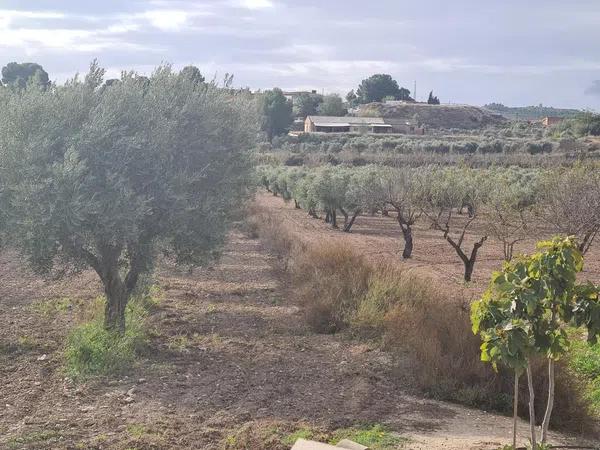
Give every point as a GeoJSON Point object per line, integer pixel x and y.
{"type": "Point", "coordinates": [435, 116]}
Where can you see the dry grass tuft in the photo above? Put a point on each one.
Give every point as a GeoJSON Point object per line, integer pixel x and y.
{"type": "Point", "coordinates": [331, 281]}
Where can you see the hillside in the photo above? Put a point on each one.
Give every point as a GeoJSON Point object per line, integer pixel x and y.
{"type": "Point", "coordinates": [435, 116]}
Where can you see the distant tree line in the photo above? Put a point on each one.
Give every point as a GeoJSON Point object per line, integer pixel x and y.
{"type": "Point", "coordinates": [506, 202]}
{"type": "Point", "coordinates": [531, 112]}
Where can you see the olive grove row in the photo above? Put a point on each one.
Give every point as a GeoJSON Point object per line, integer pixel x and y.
{"type": "Point", "coordinates": [506, 201]}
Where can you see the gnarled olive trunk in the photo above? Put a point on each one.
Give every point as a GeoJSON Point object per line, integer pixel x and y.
{"type": "Point", "coordinates": [348, 224]}
{"type": "Point", "coordinates": [408, 240]}
{"type": "Point", "coordinates": [468, 261]}
{"type": "Point", "coordinates": [116, 303]}
{"type": "Point", "coordinates": [117, 290]}
{"type": "Point", "coordinates": [346, 217]}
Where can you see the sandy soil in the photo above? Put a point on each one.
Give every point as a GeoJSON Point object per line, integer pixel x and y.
{"type": "Point", "coordinates": [229, 350]}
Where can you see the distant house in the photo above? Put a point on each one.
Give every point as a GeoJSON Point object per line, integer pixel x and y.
{"type": "Point", "coordinates": [332, 124]}
{"type": "Point", "coordinates": [291, 95]}
{"type": "Point", "coordinates": [549, 121]}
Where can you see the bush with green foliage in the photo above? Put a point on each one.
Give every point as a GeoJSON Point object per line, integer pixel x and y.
{"type": "Point", "coordinates": [526, 310]}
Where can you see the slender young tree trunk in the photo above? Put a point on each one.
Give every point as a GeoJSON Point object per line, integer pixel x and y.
{"type": "Point", "coordinates": [531, 406]}
{"type": "Point", "coordinates": [550, 404]}
{"type": "Point", "coordinates": [515, 409]}
{"type": "Point", "coordinates": [296, 204]}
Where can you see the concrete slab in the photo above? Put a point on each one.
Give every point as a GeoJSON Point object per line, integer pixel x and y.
{"type": "Point", "coordinates": [303, 444]}
{"type": "Point", "coordinates": [351, 445]}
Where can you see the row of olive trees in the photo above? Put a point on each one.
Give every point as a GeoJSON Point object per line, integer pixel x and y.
{"type": "Point", "coordinates": [506, 202]}
{"type": "Point", "coordinates": [109, 176]}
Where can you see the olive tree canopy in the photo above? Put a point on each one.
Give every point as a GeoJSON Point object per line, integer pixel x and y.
{"type": "Point", "coordinates": [108, 177]}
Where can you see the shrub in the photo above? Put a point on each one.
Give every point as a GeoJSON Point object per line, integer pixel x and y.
{"type": "Point", "coordinates": [585, 362]}
{"type": "Point", "coordinates": [274, 235]}
{"type": "Point", "coordinates": [534, 148]}
{"type": "Point", "coordinates": [294, 160]}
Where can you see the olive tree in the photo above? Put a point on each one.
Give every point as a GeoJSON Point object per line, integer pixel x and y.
{"type": "Point", "coordinates": [401, 190]}
{"type": "Point", "coordinates": [329, 189]}
{"type": "Point", "coordinates": [364, 192]}
{"type": "Point", "coordinates": [570, 203]}
{"type": "Point", "coordinates": [443, 193]}
{"type": "Point", "coordinates": [509, 206]}
{"type": "Point", "coordinates": [107, 178]}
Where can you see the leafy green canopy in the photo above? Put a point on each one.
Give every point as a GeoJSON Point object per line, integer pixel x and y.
{"type": "Point", "coordinates": [529, 303]}
{"type": "Point", "coordinates": [379, 86]}
{"type": "Point", "coordinates": [106, 176]}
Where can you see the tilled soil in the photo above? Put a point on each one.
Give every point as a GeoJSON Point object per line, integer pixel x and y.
{"type": "Point", "coordinates": [229, 350]}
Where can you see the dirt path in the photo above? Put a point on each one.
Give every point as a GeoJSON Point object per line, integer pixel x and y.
{"type": "Point", "coordinates": [229, 351]}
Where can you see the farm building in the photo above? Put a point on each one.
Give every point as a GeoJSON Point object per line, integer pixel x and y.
{"type": "Point", "coordinates": [549, 121]}
{"type": "Point", "coordinates": [332, 124]}
{"type": "Point", "coordinates": [362, 125]}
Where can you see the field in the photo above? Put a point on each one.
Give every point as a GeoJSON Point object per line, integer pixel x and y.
{"type": "Point", "coordinates": [229, 351]}
{"type": "Point", "coordinates": [380, 239]}
{"type": "Point", "coordinates": [230, 359]}
{"type": "Point", "coordinates": [193, 283]}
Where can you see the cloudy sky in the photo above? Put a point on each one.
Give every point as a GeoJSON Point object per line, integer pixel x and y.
{"type": "Point", "coordinates": [515, 52]}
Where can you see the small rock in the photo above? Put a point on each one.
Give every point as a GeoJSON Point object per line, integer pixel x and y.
{"type": "Point", "coordinates": [128, 400]}
{"type": "Point", "coordinates": [141, 380]}
{"type": "Point", "coordinates": [44, 357]}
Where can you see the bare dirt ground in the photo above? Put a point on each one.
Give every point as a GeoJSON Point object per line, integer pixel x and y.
{"type": "Point", "coordinates": [229, 349]}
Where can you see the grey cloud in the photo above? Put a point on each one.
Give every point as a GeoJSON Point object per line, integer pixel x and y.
{"type": "Point", "coordinates": [593, 89]}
